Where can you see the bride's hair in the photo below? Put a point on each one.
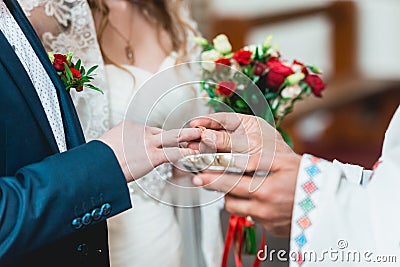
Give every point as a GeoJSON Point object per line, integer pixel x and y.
{"type": "Point", "coordinates": [165, 14]}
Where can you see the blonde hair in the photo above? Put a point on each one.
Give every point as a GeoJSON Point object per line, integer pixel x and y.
{"type": "Point", "coordinates": [165, 14]}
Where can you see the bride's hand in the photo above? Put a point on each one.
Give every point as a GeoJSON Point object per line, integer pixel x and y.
{"type": "Point", "coordinates": [140, 148]}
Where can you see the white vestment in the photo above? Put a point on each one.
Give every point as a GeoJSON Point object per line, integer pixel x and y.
{"type": "Point", "coordinates": [344, 216]}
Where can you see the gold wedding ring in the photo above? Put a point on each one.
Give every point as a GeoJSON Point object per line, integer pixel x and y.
{"type": "Point", "coordinates": [202, 128]}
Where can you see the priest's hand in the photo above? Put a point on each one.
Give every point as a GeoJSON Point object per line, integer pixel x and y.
{"type": "Point", "coordinates": [139, 148]}
{"type": "Point", "coordinates": [238, 133]}
{"type": "Point", "coordinates": [268, 200]}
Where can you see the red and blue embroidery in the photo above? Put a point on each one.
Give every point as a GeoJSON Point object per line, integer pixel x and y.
{"type": "Point", "coordinates": [309, 187]}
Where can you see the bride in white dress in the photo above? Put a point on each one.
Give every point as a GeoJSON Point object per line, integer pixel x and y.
{"type": "Point", "coordinates": [137, 38]}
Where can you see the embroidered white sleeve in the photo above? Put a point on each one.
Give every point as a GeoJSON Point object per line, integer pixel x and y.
{"type": "Point", "coordinates": [306, 199]}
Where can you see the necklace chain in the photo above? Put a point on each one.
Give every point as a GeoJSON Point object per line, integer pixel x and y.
{"type": "Point", "coordinates": [129, 52]}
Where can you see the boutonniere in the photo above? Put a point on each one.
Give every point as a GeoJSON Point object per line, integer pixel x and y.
{"type": "Point", "coordinates": [73, 75]}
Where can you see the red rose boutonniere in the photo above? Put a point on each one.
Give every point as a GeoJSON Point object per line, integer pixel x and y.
{"type": "Point", "coordinates": [73, 75]}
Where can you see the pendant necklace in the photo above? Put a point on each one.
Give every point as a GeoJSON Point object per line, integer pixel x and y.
{"type": "Point", "coordinates": [129, 52]}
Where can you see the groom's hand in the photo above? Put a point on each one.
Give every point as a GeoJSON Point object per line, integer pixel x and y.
{"type": "Point", "coordinates": [140, 148]}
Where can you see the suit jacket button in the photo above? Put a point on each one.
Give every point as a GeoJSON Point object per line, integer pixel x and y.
{"type": "Point", "coordinates": [77, 223]}
{"type": "Point", "coordinates": [106, 209]}
{"type": "Point", "coordinates": [87, 219]}
{"type": "Point", "coordinates": [96, 214]}
{"type": "Point", "coordinates": [82, 249]}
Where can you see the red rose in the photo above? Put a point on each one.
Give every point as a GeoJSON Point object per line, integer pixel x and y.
{"type": "Point", "coordinates": [75, 73]}
{"type": "Point", "coordinates": [59, 61]}
{"type": "Point", "coordinates": [259, 68]}
{"type": "Point", "coordinates": [223, 61]}
{"type": "Point", "coordinates": [225, 88]}
{"type": "Point", "coordinates": [272, 61]}
{"type": "Point", "coordinates": [243, 57]}
{"type": "Point", "coordinates": [316, 84]}
{"type": "Point", "coordinates": [277, 74]}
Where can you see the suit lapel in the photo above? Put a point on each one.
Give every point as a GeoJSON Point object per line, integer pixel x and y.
{"type": "Point", "coordinates": [73, 131]}
{"type": "Point", "coordinates": [17, 72]}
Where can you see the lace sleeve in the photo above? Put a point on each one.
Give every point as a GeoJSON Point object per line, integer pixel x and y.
{"type": "Point", "coordinates": [67, 26]}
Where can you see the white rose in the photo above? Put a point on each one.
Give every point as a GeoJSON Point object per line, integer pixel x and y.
{"type": "Point", "coordinates": [208, 59]}
{"type": "Point", "coordinates": [291, 92]}
{"type": "Point", "coordinates": [221, 44]}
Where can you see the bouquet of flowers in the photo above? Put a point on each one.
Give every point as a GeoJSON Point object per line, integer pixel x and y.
{"type": "Point", "coordinates": [73, 75]}
{"type": "Point", "coordinates": [253, 80]}
{"type": "Point", "coordinates": [279, 84]}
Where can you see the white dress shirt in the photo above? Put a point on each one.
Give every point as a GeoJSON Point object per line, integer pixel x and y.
{"type": "Point", "coordinates": [38, 75]}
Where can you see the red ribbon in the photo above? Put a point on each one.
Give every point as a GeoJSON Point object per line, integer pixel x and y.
{"type": "Point", "coordinates": [234, 236]}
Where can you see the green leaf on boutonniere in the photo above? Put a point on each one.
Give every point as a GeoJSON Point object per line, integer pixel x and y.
{"type": "Point", "coordinates": [69, 58]}
{"type": "Point", "coordinates": [63, 79]}
{"type": "Point", "coordinates": [78, 64]}
{"type": "Point", "coordinates": [92, 69]}
{"type": "Point", "coordinates": [85, 79]}
{"type": "Point", "coordinates": [94, 88]}
{"type": "Point", "coordinates": [68, 73]}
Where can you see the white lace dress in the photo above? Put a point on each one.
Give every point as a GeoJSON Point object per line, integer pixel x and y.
{"type": "Point", "coordinates": [148, 234]}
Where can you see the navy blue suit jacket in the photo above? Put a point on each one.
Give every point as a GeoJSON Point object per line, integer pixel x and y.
{"type": "Point", "coordinates": [53, 205]}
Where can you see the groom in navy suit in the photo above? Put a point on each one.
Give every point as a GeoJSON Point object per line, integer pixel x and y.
{"type": "Point", "coordinates": [53, 205]}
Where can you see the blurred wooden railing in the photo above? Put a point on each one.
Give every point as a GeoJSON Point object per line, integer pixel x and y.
{"type": "Point", "coordinates": [342, 14]}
